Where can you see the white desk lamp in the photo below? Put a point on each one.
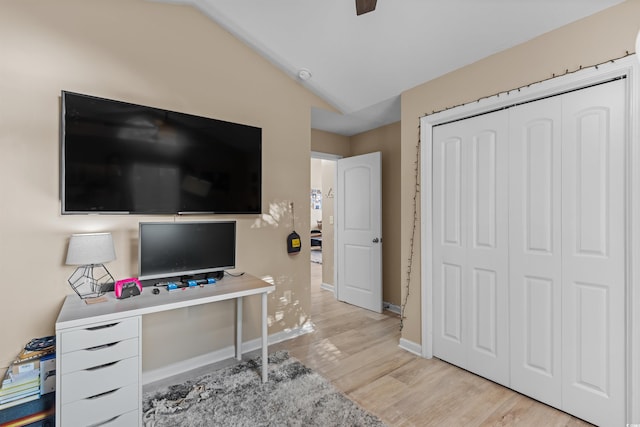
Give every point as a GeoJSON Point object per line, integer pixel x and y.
{"type": "Point", "coordinates": [90, 252]}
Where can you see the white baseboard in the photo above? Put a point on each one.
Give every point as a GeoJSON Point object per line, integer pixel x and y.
{"type": "Point", "coordinates": [391, 307]}
{"type": "Point", "coordinates": [228, 352]}
{"type": "Point", "coordinates": [327, 287]}
{"type": "Point", "coordinates": [410, 346]}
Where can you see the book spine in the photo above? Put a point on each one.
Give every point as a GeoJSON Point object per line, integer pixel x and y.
{"type": "Point", "coordinates": [5, 391]}
{"type": "Point", "coordinates": [14, 380]}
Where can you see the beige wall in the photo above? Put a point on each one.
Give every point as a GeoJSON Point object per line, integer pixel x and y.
{"type": "Point", "coordinates": [156, 54]}
{"type": "Point", "coordinates": [595, 39]}
{"type": "Point", "coordinates": [330, 143]}
{"type": "Point", "coordinates": [386, 139]}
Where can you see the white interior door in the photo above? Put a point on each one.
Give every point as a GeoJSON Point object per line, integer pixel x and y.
{"type": "Point", "coordinates": [593, 254]}
{"type": "Point", "coordinates": [470, 274]}
{"type": "Point", "coordinates": [359, 231]}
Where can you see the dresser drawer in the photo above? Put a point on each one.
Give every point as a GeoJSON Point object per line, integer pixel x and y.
{"type": "Point", "coordinates": [94, 336]}
{"type": "Point", "coordinates": [101, 409]}
{"type": "Point", "coordinates": [96, 356]}
{"type": "Point", "coordinates": [91, 382]}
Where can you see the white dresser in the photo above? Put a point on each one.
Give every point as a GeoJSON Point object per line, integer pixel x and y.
{"type": "Point", "coordinates": [99, 374]}
{"type": "Point", "coordinates": [99, 349]}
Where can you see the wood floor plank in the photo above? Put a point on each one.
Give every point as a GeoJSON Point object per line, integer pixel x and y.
{"type": "Point", "coordinates": [379, 392]}
{"type": "Point", "coordinates": [370, 371]}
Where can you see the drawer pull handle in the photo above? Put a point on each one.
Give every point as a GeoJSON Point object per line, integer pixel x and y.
{"type": "Point", "coordinates": [100, 347]}
{"type": "Point", "coordinates": [106, 365]}
{"type": "Point", "coordinates": [97, 396]}
{"type": "Point", "coordinates": [101, 423]}
{"type": "Point", "coordinates": [97, 328]}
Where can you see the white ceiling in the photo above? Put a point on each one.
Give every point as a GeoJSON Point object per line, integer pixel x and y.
{"type": "Point", "coordinates": [361, 64]}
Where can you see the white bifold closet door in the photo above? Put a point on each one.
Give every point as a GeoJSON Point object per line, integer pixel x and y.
{"type": "Point", "coordinates": [593, 253]}
{"type": "Point", "coordinates": [470, 186]}
{"type": "Point", "coordinates": [555, 214]}
{"type": "Point", "coordinates": [535, 249]}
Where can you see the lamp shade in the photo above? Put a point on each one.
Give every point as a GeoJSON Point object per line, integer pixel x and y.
{"type": "Point", "coordinates": [93, 248]}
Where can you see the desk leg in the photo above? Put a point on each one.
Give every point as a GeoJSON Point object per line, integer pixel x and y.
{"type": "Point", "coordinates": [239, 328]}
{"type": "Point", "coordinates": [265, 344]}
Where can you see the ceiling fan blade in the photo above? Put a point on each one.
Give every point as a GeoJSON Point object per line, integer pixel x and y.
{"type": "Point", "coordinates": [365, 6]}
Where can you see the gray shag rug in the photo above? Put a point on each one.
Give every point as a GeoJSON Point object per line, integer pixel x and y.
{"type": "Point", "coordinates": [236, 396]}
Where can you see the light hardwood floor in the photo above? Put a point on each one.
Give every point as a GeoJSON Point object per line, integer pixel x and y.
{"type": "Point", "coordinates": [357, 350]}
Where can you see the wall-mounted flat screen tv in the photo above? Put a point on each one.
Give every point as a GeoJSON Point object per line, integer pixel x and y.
{"type": "Point", "coordinates": [122, 158]}
{"type": "Point", "coordinates": [185, 250]}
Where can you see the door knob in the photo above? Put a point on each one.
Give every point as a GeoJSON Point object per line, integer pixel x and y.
{"type": "Point", "coordinates": [376, 240]}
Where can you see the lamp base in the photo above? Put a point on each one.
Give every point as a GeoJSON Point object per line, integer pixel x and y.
{"type": "Point", "coordinates": [91, 281]}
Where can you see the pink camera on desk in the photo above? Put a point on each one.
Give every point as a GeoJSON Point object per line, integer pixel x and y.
{"type": "Point", "coordinates": [126, 288]}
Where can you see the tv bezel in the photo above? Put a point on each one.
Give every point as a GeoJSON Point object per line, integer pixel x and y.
{"type": "Point", "coordinates": [63, 177]}
{"type": "Point", "coordinates": [185, 273]}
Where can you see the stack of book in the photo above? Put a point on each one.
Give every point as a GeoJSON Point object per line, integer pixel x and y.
{"type": "Point", "coordinates": [19, 388]}
{"type": "Point", "coordinates": [21, 382]}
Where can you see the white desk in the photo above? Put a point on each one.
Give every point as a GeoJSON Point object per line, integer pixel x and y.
{"type": "Point", "coordinates": [99, 348]}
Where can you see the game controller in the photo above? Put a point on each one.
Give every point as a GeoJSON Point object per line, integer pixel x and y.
{"type": "Point", "coordinates": [126, 288]}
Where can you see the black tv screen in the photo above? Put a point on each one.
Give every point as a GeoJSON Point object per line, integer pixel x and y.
{"type": "Point", "coordinates": [118, 157]}
{"type": "Point", "coordinates": [168, 250]}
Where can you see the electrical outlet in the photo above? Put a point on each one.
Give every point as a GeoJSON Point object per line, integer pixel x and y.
{"type": "Point", "coordinates": [331, 219]}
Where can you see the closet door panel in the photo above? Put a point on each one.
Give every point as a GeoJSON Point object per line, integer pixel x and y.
{"type": "Point", "coordinates": [484, 190]}
{"type": "Point", "coordinates": [485, 323]}
{"type": "Point", "coordinates": [488, 249]}
{"type": "Point", "coordinates": [593, 272]}
{"type": "Point", "coordinates": [470, 245]}
{"type": "Point", "coordinates": [540, 162]}
{"type": "Point", "coordinates": [451, 191]}
{"type": "Point", "coordinates": [483, 226]}
{"type": "Point", "coordinates": [535, 249]}
{"type": "Point", "coordinates": [539, 333]}
{"type": "Point", "coordinates": [449, 247]}
{"type": "Point", "coordinates": [452, 303]}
